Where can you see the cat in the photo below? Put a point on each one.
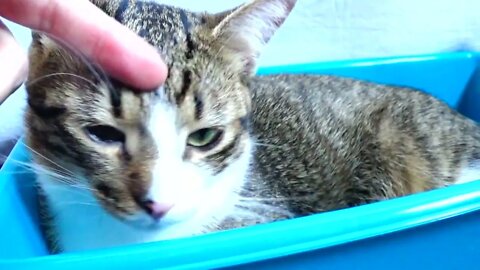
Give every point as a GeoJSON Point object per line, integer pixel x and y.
{"type": "Point", "coordinates": [217, 147]}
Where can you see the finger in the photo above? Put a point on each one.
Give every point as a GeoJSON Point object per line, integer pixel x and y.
{"type": "Point", "coordinates": [80, 24]}
{"type": "Point", "coordinates": [13, 68]}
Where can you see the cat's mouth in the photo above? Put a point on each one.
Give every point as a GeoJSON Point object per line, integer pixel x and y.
{"type": "Point", "coordinates": [144, 222]}
{"type": "Point", "coordinates": [156, 216]}
{"type": "Point", "coordinates": [149, 216]}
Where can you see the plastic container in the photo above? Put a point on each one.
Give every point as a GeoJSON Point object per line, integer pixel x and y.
{"type": "Point", "coordinates": [432, 230]}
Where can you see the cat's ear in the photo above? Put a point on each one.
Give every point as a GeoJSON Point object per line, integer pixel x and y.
{"type": "Point", "coordinates": [212, 20]}
{"type": "Point", "coordinates": [36, 38]}
{"type": "Point", "coordinates": [41, 42]}
{"type": "Point", "coordinates": [245, 31]}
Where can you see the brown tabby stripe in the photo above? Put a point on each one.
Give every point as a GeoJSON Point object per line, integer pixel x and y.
{"type": "Point", "coordinates": [115, 97]}
{"type": "Point", "coordinates": [126, 156]}
{"type": "Point", "coordinates": [46, 225]}
{"type": "Point", "coordinates": [46, 112]}
{"type": "Point", "coordinates": [245, 122]}
{"type": "Point", "coordinates": [61, 150]}
{"type": "Point", "coordinates": [185, 21]}
{"type": "Point", "coordinates": [70, 145]}
{"type": "Point", "coordinates": [187, 80]}
{"type": "Point", "coordinates": [105, 190]}
{"type": "Point", "coordinates": [190, 47]}
{"type": "Point", "coordinates": [188, 37]}
{"type": "Point", "coordinates": [142, 33]}
{"type": "Point", "coordinates": [475, 157]}
{"type": "Point", "coordinates": [198, 106]}
{"type": "Point", "coordinates": [219, 160]}
{"type": "Point", "coordinates": [122, 7]}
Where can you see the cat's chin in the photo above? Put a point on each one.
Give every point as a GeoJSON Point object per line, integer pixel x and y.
{"type": "Point", "coordinates": [142, 221]}
{"type": "Point", "coordinates": [146, 223]}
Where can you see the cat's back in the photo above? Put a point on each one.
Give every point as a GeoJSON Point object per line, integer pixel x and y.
{"type": "Point", "coordinates": [325, 104]}
{"type": "Point", "coordinates": [354, 141]}
{"type": "Point", "coordinates": [340, 96]}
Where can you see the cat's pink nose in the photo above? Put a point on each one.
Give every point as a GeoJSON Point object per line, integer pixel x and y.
{"type": "Point", "coordinates": [156, 210]}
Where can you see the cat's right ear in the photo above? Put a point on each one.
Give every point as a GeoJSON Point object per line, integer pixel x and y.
{"type": "Point", "coordinates": [41, 45]}
{"type": "Point", "coordinates": [36, 38]}
{"type": "Point", "coordinates": [244, 32]}
{"type": "Point", "coordinates": [212, 20]}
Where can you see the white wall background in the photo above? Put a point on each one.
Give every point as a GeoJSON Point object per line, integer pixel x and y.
{"type": "Point", "coordinates": [324, 30]}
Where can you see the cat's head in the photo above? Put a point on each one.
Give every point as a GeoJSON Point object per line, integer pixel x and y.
{"type": "Point", "coordinates": [180, 152]}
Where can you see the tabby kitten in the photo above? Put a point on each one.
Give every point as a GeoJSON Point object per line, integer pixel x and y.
{"type": "Point", "coordinates": [217, 147]}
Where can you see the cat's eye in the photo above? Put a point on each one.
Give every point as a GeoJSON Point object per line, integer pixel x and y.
{"type": "Point", "coordinates": [205, 139]}
{"type": "Point", "coordinates": [105, 134]}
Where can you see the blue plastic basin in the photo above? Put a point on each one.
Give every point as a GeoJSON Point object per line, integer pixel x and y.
{"type": "Point", "coordinates": [438, 229]}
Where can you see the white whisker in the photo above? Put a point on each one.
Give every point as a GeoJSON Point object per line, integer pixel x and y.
{"type": "Point", "coordinates": [79, 203]}
{"type": "Point", "coordinates": [35, 168]}
{"type": "Point", "coordinates": [267, 145]}
{"type": "Point", "coordinates": [44, 157]}
{"type": "Point", "coordinates": [255, 205]}
{"type": "Point", "coordinates": [60, 74]}
{"type": "Point", "coordinates": [60, 176]}
{"type": "Point", "coordinates": [258, 199]}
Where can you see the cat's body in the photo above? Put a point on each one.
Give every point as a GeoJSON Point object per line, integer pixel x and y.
{"type": "Point", "coordinates": [277, 146]}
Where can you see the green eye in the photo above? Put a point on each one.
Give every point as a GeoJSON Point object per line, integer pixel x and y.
{"type": "Point", "coordinates": [205, 139]}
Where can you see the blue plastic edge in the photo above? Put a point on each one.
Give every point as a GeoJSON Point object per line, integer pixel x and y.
{"type": "Point", "coordinates": [365, 62]}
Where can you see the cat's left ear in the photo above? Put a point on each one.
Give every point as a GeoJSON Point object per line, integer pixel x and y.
{"type": "Point", "coordinates": [244, 32]}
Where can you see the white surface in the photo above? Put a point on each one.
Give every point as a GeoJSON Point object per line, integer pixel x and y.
{"type": "Point", "coordinates": [322, 30]}
{"type": "Point", "coordinates": [11, 110]}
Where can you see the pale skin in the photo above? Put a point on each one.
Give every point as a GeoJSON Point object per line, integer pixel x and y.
{"type": "Point", "coordinates": [121, 53]}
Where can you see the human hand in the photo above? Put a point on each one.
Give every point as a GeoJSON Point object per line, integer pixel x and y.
{"type": "Point", "coordinates": [84, 27]}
